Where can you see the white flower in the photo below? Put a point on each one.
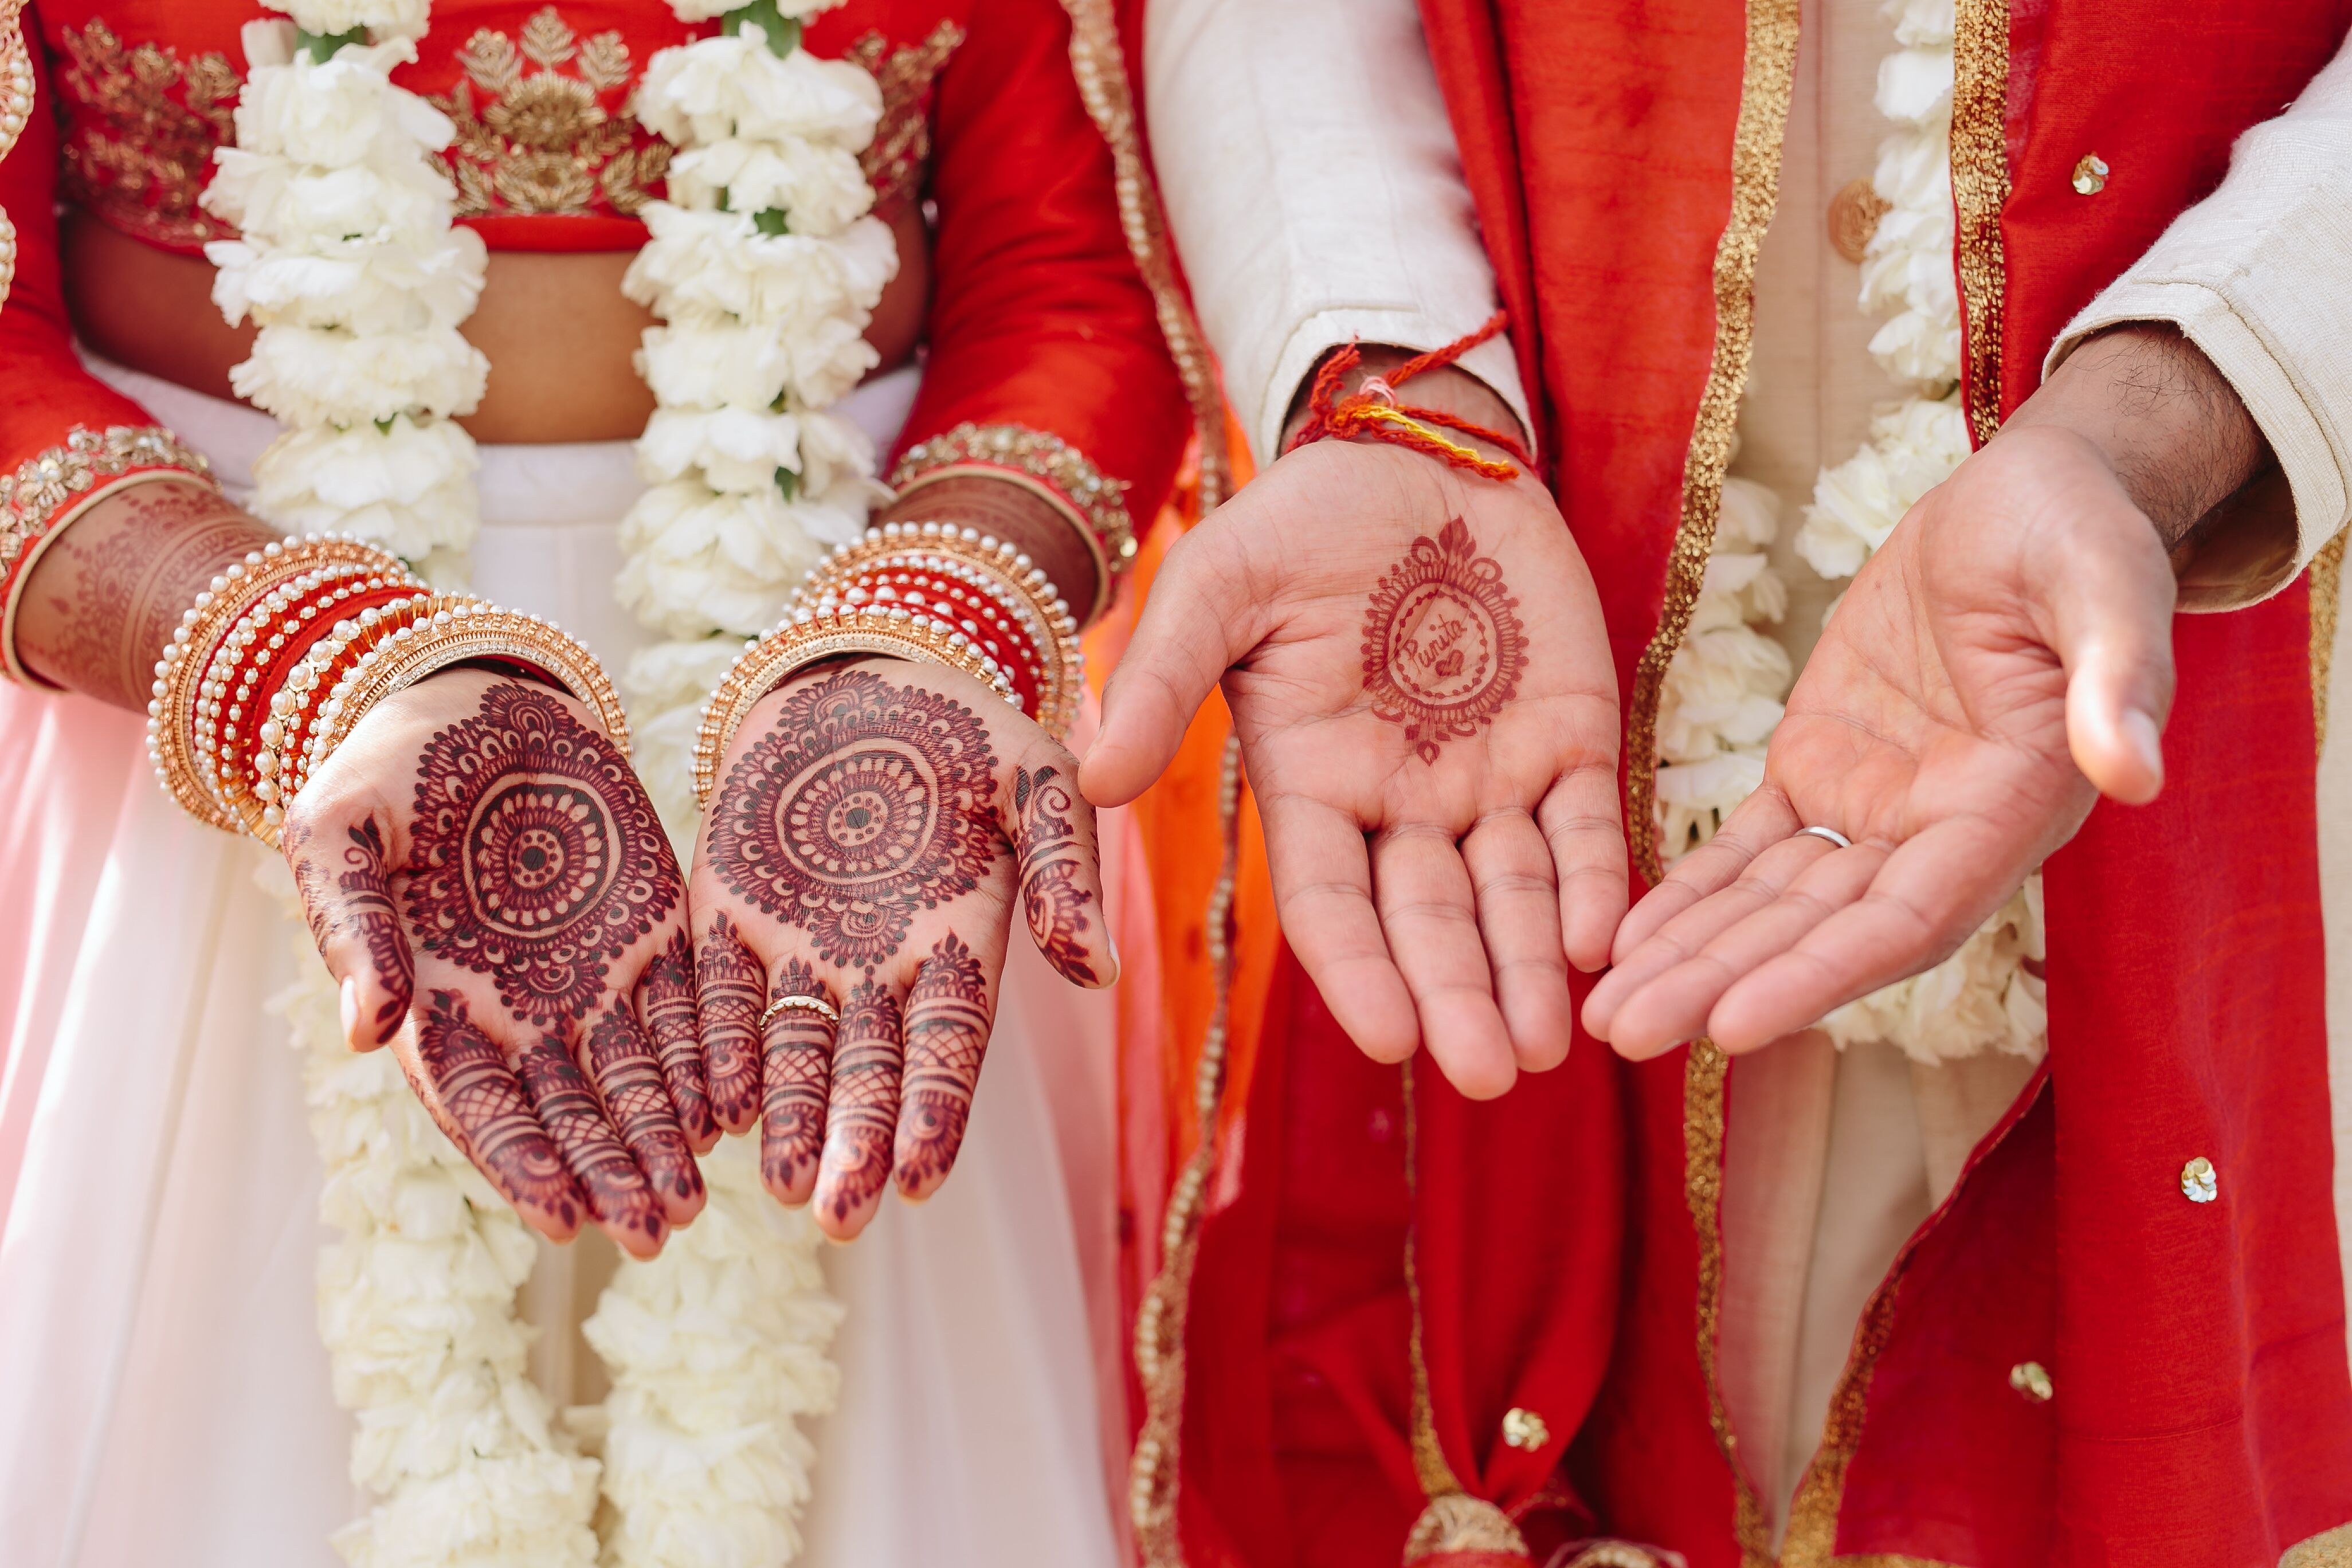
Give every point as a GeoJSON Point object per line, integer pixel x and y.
{"type": "Point", "coordinates": [408, 488]}
{"type": "Point", "coordinates": [715, 89]}
{"type": "Point", "coordinates": [328, 17]}
{"type": "Point", "coordinates": [1913, 448]}
{"type": "Point", "coordinates": [338, 112]}
{"type": "Point", "coordinates": [706, 267]}
{"type": "Point", "coordinates": [1982, 998]}
{"type": "Point", "coordinates": [821, 189]}
{"type": "Point", "coordinates": [706, 10]}
{"type": "Point", "coordinates": [308, 375]}
{"type": "Point", "coordinates": [701, 562]}
{"type": "Point", "coordinates": [373, 290]}
{"type": "Point", "coordinates": [1915, 86]}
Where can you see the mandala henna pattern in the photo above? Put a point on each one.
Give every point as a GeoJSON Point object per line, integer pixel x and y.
{"type": "Point", "coordinates": [863, 804]}
{"type": "Point", "coordinates": [1051, 898]}
{"type": "Point", "coordinates": [537, 859]}
{"type": "Point", "coordinates": [621, 1060]}
{"type": "Point", "coordinates": [862, 1114]}
{"type": "Point", "coordinates": [483, 1098]}
{"type": "Point", "coordinates": [797, 1070]}
{"type": "Point", "coordinates": [667, 994]}
{"type": "Point", "coordinates": [367, 901]}
{"type": "Point", "coordinates": [617, 1189]}
{"type": "Point", "coordinates": [947, 1036]}
{"type": "Point", "coordinates": [1443, 646]}
{"type": "Point", "coordinates": [730, 988]}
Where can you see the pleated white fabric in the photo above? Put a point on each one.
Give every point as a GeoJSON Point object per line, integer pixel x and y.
{"type": "Point", "coordinates": [164, 1395]}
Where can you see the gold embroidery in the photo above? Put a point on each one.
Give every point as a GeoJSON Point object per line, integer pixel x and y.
{"type": "Point", "coordinates": [1705, 1080]}
{"type": "Point", "coordinates": [2329, 1549]}
{"type": "Point", "coordinates": [894, 159]}
{"type": "Point", "coordinates": [2326, 585]}
{"type": "Point", "coordinates": [135, 155]}
{"type": "Point", "coordinates": [1979, 190]}
{"type": "Point", "coordinates": [543, 141]}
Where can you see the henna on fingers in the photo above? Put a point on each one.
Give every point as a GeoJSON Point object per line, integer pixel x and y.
{"type": "Point", "coordinates": [796, 1074]}
{"type": "Point", "coordinates": [537, 859]}
{"type": "Point", "coordinates": [1443, 646]}
{"type": "Point", "coordinates": [621, 1060]}
{"type": "Point", "coordinates": [947, 1036]}
{"type": "Point", "coordinates": [666, 994]}
{"type": "Point", "coordinates": [862, 1111]}
{"type": "Point", "coordinates": [353, 908]}
{"type": "Point", "coordinates": [504, 1138]}
{"type": "Point", "coordinates": [1051, 897]}
{"type": "Point", "coordinates": [729, 990]}
{"type": "Point", "coordinates": [617, 1193]}
{"type": "Point", "coordinates": [863, 804]}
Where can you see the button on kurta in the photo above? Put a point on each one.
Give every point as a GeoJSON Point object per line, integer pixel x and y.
{"type": "Point", "coordinates": [2200, 1183]}
{"type": "Point", "coordinates": [1854, 212]}
{"type": "Point", "coordinates": [2091, 175]}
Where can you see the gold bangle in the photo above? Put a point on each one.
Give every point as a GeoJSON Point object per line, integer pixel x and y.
{"type": "Point", "coordinates": [811, 636]}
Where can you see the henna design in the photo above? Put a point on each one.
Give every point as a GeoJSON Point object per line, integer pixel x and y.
{"type": "Point", "coordinates": [1051, 897]}
{"type": "Point", "coordinates": [129, 584]}
{"type": "Point", "coordinates": [367, 903]}
{"type": "Point", "coordinates": [798, 1051]}
{"type": "Point", "coordinates": [728, 990]}
{"type": "Point", "coordinates": [947, 1036]}
{"type": "Point", "coordinates": [862, 1112]}
{"type": "Point", "coordinates": [1443, 646]}
{"type": "Point", "coordinates": [861, 804]}
{"type": "Point", "coordinates": [621, 1059]}
{"type": "Point", "coordinates": [618, 1191]}
{"type": "Point", "coordinates": [667, 993]}
{"type": "Point", "coordinates": [537, 859]}
{"type": "Point", "coordinates": [482, 1097]}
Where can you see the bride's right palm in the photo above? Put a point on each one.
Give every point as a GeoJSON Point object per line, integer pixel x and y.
{"type": "Point", "coordinates": [1417, 666]}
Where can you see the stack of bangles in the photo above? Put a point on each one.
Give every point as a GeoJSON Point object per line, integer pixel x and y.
{"type": "Point", "coordinates": [286, 650]}
{"type": "Point", "coordinates": [929, 591]}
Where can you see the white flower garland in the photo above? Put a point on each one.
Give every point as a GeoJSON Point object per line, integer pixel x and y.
{"type": "Point", "coordinates": [349, 262]}
{"type": "Point", "coordinates": [1983, 997]}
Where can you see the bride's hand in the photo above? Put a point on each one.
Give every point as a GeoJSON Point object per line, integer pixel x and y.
{"type": "Point", "coordinates": [871, 825]}
{"type": "Point", "coordinates": [492, 889]}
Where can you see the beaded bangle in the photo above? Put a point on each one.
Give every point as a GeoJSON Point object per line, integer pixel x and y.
{"type": "Point", "coordinates": [810, 637]}
{"type": "Point", "coordinates": [1044, 465]}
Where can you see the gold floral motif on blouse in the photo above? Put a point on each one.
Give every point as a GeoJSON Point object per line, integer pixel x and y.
{"type": "Point", "coordinates": [543, 141]}
{"type": "Point", "coordinates": [894, 159]}
{"type": "Point", "coordinates": [142, 127]}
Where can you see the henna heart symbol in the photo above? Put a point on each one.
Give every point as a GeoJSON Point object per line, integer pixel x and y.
{"type": "Point", "coordinates": [1450, 664]}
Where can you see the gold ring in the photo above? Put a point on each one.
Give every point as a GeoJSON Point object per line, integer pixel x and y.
{"type": "Point", "coordinates": [817, 1004]}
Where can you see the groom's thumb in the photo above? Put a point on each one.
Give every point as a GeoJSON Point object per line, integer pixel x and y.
{"type": "Point", "coordinates": [2112, 617]}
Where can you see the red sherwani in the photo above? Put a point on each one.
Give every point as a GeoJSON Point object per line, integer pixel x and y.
{"type": "Point", "coordinates": [1566, 1239]}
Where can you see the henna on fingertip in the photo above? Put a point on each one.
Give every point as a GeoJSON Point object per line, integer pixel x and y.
{"type": "Point", "coordinates": [730, 990]}
{"type": "Point", "coordinates": [665, 996]}
{"type": "Point", "coordinates": [795, 1077]}
{"type": "Point", "coordinates": [502, 1134]}
{"type": "Point", "coordinates": [636, 1100]}
{"type": "Point", "coordinates": [861, 1110]}
{"type": "Point", "coordinates": [948, 1015]}
{"type": "Point", "coordinates": [618, 1194]}
{"type": "Point", "coordinates": [1055, 868]}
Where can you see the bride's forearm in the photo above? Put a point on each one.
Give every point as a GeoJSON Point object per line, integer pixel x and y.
{"type": "Point", "coordinates": [1029, 522]}
{"type": "Point", "coordinates": [102, 599]}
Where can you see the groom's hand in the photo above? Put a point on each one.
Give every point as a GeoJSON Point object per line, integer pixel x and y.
{"type": "Point", "coordinates": [1417, 666]}
{"type": "Point", "coordinates": [2001, 661]}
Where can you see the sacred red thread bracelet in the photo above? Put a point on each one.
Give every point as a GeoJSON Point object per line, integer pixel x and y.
{"type": "Point", "coordinates": [1373, 412]}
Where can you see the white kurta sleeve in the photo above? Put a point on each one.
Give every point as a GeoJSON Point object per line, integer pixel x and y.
{"type": "Point", "coordinates": [2259, 276]}
{"type": "Point", "coordinates": [1315, 189]}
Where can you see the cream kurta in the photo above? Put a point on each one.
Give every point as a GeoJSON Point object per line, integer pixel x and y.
{"type": "Point", "coordinates": [1834, 1158]}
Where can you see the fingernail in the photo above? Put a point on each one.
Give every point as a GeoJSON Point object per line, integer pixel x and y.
{"type": "Point", "coordinates": [1117, 968]}
{"type": "Point", "coordinates": [352, 1011]}
{"type": "Point", "coordinates": [2146, 740]}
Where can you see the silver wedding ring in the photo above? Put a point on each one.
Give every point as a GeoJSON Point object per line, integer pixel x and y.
{"type": "Point", "coordinates": [1831, 834]}
{"type": "Point", "coordinates": [817, 1004]}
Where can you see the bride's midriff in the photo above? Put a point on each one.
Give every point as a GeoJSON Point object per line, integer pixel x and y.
{"type": "Point", "coordinates": [556, 327]}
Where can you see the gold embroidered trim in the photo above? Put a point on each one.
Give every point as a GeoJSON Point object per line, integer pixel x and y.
{"type": "Point", "coordinates": [1100, 66]}
{"type": "Point", "coordinates": [30, 497]}
{"type": "Point", "coordinates": [1706, 1081]}
{"type": "Point", "coordinates": [2326, 587]}
{"type": "Point", "coordinates": [1767, 80]}
{"type": "Point", "coordinates": [1155, 1471]}
{"type": "Point", "coordinates": [1096, 503]}
{"type": "Point", "coordinates": [895, 161]}
{"type": "Point", "coordinates": [2329, 1549]}
{"type": "Point", "coordinates": [543, 142]}
{"type": "Point", "coordinates": [1979, 191]}
{"type": "Point", "coordinates": [136, 155]}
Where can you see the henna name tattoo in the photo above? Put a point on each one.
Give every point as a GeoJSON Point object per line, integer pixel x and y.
{"type": "Point", "coordinates": [621, 1059]}
{"type": "Point", "coordinates": [667, 994]}
{"type": "Point", "coordinates": [1051, 898]}
{"type": "Point", "coordinates": [862, 1112]}
{"type": "Point", "coordinates": [797, 1076]}
{"type": "Point", "coordinates": [863, 804]}
{"type": "Point", "coordinates": [947, 1036]}
{"type": "Point", "coordinates": [1443, 646]}
{"type": "Point", "coordinates": [730, 990]}
{"type": "Point", "coordinates": [483, 1098]}
{"type": "Point", "coordinates": [537, 859]}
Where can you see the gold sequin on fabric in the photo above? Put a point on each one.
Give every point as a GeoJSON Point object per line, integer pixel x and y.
{"type": "Point", "coordinates": [900, 153]}
{"type": "Point", "coordinates": [2200, 1183]}
{"type": "Point", "coordinates": [2091, 175]}
{"type": "Point", "coordinates": [1979, 191]}
{"type": "Point", "coordinates": [538, 130]}
{"type": "Point", "coordinates": [140, 128]}
{"type": "Point", "coordinates": [2329, 1549]}
{"type": "Point", "coordinates": [2326, 585]}
{"type": "Point", "coordinates": [1766, 81]}
{"type": "Point", "coordinates": [1525, 1429]}
{"type": "Point", "coordinates": [1707, 1081]}
{"type": "Point", "coordinates": [2031, 1379]}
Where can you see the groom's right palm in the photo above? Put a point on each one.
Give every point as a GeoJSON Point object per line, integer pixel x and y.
{"type": "Point", "coordinates": [1430, 721]}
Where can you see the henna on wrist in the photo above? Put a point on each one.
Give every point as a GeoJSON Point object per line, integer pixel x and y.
{"type": "Point", "coordinates": [101, 601]}
{"type": "Point", "coordinates": [947, 1036]}
{"type": "Point", "coordinates": [1029, 522]}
